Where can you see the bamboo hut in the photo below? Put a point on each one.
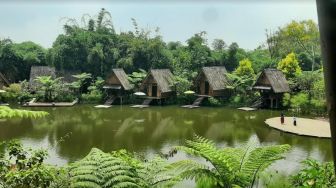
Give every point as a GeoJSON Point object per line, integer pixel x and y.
{"type": "Point", "coordinates": [212, 81]}
{"type": "Point", "coordinates": [272, 84]}
{"type": "Point", "coordinates": [158, 84]}
{"type": "Point", "coordinates": [116, 85]}
{"type": "Point", "coordinates": [36, 71]}
{"type": "Point", "coordinates": [3, 81]}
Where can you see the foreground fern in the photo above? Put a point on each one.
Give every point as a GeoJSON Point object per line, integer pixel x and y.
{"type": "Point", "coordinates": [7, 112]}
{"type": "Point", "coordinates": [230, 167]}
{"type": "Point", "coordinates": [120, 169]}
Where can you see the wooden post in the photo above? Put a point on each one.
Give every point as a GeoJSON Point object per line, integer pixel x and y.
{"type": "Point", "coordinates": [326, 10]}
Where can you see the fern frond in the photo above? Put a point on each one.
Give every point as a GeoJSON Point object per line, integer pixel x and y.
{"type": "Point", "coordinates": [7, 112]}
{"type": "Point", "coordinates": [260, 158]}
{"type": "Point", "coordinates": [100, 169]}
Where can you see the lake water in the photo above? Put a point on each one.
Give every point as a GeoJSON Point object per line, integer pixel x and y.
{"type": "Point", "coordinates": [152, 130]}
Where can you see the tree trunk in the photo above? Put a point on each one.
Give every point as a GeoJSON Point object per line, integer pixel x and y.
{"type": "Point", "coordinates": [327, 23]}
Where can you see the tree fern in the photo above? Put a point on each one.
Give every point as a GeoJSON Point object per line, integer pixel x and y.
{"type": "Point", "coordinates": [229, 167]}
{"type": "Point", "coordinates": [7, 112]}
{"type": "Point", "coordinates": [120, 169]}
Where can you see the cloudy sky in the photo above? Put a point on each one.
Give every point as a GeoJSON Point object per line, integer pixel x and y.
{"type": "Point", "coordinates": [243, 22]}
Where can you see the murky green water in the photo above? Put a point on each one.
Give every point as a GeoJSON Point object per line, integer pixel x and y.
{"type": "Point", "coordinates": [154, 130]}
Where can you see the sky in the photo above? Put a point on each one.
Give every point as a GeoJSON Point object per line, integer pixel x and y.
{"type": "Point", "coordinates": [244, 22]}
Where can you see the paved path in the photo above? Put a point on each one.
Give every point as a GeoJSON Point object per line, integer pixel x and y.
{"type": "Point", "coordinates": [306, 127]}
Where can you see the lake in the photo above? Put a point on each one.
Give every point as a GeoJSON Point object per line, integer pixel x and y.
{"type": "Point", "coordinates": [70, 133]}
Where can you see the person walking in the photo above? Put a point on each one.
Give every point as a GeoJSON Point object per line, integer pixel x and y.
{"type": "Point", "coordinates": [282, 118]}
{"type": "Point", "coordinates": [294, 121]}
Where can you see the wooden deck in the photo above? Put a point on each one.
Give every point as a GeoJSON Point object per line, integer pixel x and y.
{"type": "Point", "coordinates": [52, 104]}
{"type": "Point", "coordinates": [305, 127]}
{"type": "Point", "coordinates": [247, 109]}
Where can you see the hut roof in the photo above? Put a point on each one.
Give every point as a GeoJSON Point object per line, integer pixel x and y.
{"type": "Point", "coordinates": [164, 79]}
{"type": "Point", "coordinates": [36, 71]}
{"type": "Point", "coordinates": [3, 79]}
{"type": "Point", "coordinates": [122, 77]}
{"type": "Point", "coordinates": [216, 77]}
{"type": "Point", "coordinates": [275, 79]}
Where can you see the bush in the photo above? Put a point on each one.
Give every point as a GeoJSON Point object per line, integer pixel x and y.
{"type": "Point", "coordinates": [213, 102]}
{"type": "Point", "coordinates": [315, 175]}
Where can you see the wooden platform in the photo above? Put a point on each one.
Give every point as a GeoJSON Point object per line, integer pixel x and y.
{"type": "Point", "coordinates": [140, 106]}
{"type": "Point", "coordinates": [305, 127]}
{"type": "Point", "coordinates": [190, 106]}
{"type": "Point", "coordinates": [247, 109]}
{"type": "Point", "coordinates": [53, 104]}
{"type": "Point", "coordinates": [103, 106]}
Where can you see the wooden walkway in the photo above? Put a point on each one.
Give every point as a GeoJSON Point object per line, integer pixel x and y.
{"type": "Point", "coordinates": [305, 127]}
{"type": "Point", "coordinates": [32, 103]}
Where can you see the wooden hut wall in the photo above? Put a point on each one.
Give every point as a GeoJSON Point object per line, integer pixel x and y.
{"type": "Point", "coordinates": [112, 80]}
{"type": "Point", "coordinates": [149, 83]}
{"type": "Point", "coordinates": [201, 85]}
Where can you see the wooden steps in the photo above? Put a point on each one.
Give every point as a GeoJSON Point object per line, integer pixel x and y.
{"type": "Point", "coordinates": [145, 103]}
{"type": "Point", "coordinates": [196, 103]}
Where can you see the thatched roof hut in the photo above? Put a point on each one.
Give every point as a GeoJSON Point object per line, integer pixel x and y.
{"type": "Point", "coordinates": [273, 80]}
{"type": "Point", "coordinates": [212, 81]}
{"type": "Point", "coordinates": [158, 83]}
{"type": "Point", "coordinates": [272, 84]}
{"type": "Point", "coordinates": [3, 81]}
{"type": "Point", "coordinates": [36, 71]}
{"type": "Point", "coordinates": [117, 79]}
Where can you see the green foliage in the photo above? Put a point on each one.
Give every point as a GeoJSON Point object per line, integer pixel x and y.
{"type": "Point", "coordinates": [214, 102]}
{"type": "Point", "coordinates": [7, 112]}
{"type": "Point", "coordinates": [120, 169]}
{"type": "Point", "coordinates": [28, 170]}
{"type": "Point", "coordinates": [79, 84]}
{"type": "Point", "coordinates": [290, 66]}
{"type": "Point", "coordinates": [17, 58]}
{"type": "Point", "coordinates": [245, 68]}
{"type": "Point", "coordinates": [299, 101]}
{"type": "Point", "coordinates": [136, 78]}
{"type": "Point", "coordinates": [182, 84]}
{"type": "Point", "coordinates": [315, 175]}
{"type": "Point", "coordinates": [274, 179]}
{"type": "Point", "coordinates": [48, 86]}
{"type": "Point", "coordinates": [230, 167]}
{"type": "Point", "coordinates": [12, 93]}
{"type": "Point", "coordinates": [95, 93]}
{"type": "Point", "coordinates": [300, 37]}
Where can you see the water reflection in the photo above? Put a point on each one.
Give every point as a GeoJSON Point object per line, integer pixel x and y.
{"type": "Point", "coordinates": [153, 129]}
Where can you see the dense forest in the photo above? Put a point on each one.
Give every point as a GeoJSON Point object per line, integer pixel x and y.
{"type": "Point", "coordinates": [93, 46]}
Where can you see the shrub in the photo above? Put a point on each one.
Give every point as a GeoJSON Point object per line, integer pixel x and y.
{"type": "Point", "coordinates": [315, 175]}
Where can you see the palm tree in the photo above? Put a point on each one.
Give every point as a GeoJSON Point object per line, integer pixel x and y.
{"type": "Point", "coordinates": [229, 167]}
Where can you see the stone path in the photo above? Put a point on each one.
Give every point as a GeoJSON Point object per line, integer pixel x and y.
{"type": "Point", "coordinates": [305, 126]}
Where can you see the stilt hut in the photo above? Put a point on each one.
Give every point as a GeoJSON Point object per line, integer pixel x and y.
{"type": "Point", "coordinates": [212, 81]}
{"type": "Point", "coordinates": [36, 71]}
{"type": "Point", "coordinates": [272, 84]}
{"type": "Point", "coordinates": [158, 84]}
{"type": "Point", "coordinates": [3, 81]}
{"type": "Point", "coordinates": [116, 85]}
